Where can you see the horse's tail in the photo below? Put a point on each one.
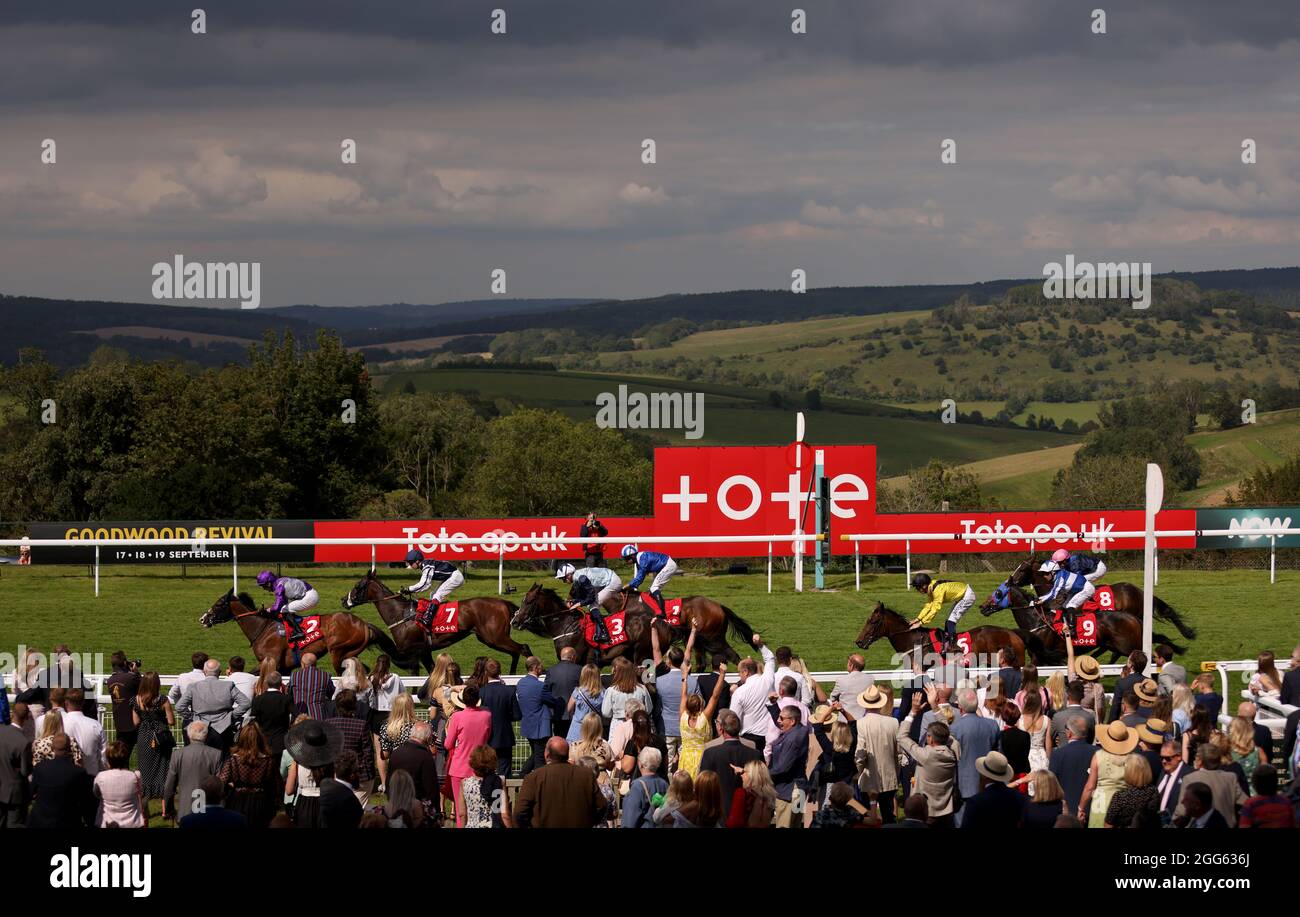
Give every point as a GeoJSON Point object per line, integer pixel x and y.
{"type": "Point", "coordinates": [738, 626]}
{"type": "Point", "coordinates": [1161, 638]}
{"type": "Point", "coordinates": [380, 639]}
{"type": "Point", "coordinates": [1165, 612]}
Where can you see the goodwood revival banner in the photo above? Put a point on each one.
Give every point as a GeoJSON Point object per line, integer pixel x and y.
{"type": "Point", "coordinates": [206, 545]}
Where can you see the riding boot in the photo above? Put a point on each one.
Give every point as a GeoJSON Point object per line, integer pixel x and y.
{"type": "Point", "coordinates": [600, 632]}
{"type": "Point", "coordinates": [659, 597]}
{"type": "Point", "coordinates": [426, 619]}
{"type": "Point", "coordinates": [949, 636]}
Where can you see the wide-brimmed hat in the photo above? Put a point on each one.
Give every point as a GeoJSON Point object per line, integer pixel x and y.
{"type": "Point", "coordinates": [1147, 691]}
{"type": "Point", "coordinates": [1117, 738]}
{"type": "Point", "coordinates": [823, 715]}
{"type": "Point", "coordinates": [314, 744]}
{"type": "Point", "coordinates": [455, 693]}
{"type": "Point", "coordinates": [996, 767]}
{"type": "Point", "coordinates": [1088, 668]}
{"type": "Point", "coordinates": [873, 699]}
{"type": "Point", "coordinates": [1152, 730]}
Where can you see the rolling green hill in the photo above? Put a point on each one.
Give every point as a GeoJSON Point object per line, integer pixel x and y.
{"type": "Point", "coordinates": [734, 415]}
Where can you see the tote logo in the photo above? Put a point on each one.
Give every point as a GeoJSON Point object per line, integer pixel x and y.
{"type": "Point", "coordinates": [103, 870]}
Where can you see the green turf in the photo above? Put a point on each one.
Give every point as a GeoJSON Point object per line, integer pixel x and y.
{"type": "Point", "coordinates": [152, 613]}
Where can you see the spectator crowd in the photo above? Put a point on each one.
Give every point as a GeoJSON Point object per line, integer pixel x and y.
{"type": "Point", "coordinates": [649, 745]}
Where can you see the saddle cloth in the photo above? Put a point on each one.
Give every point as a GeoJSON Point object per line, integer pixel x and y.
{"type": "Point", "coordinates": [963, 644]}
{"type": "Point", "coordinates": [613, 623]}
{"type": "Point", "coordinates": [445, 621]}
{"type": "Point", "coordinates": [1102, 600]}
{"type": "Point", "coordinates": [672, 614]}
{"type": "Point", "coordinates": [310, 627]}
{"type": "Point", "coordinates": [1085, 626]}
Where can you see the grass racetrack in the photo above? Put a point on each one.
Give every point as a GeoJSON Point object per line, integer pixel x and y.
{"type": "Point", "coordinates": [152, 613]}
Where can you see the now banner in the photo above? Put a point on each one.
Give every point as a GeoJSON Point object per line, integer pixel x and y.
{"type": "Point", "coordinates": [1249, 522]}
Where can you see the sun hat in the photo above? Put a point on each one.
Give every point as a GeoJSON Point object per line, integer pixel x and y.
{"type": "Point", "coordinates": [823, 715]}
{"type": "Point", "coordinates": [314, 744]}
{"type": "Point", "coordinates": [1117, 738]}
{"type": "Point", "coordinates": [1088, 668]}
{"type": "Point", "coordinates": [995, 766]}
{"type": "Point", "coordinates": [1152, 730]}
{"type": "Point", "coordinates": [873, 699]}
{"type": "Point", "coordinates": [1147, 692]}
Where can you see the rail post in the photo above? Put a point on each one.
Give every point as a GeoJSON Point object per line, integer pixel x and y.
{"type": "Point", "coordinates": [501, 568]}
{"type": "Point", "coordinates": [96, 571]}
{"type": "Point", "coordinates": [372, 558]}
{"type": "Point", "coordinates": [1272, 559]}
{"type": "Point", "coordinates": [857, 567]}
{"type": "Point", "coordinates": [908, 551]}
{"type": "Point", "coordinates": [769, 566]}
{"type": "Point", "coordinates": [234, 568]}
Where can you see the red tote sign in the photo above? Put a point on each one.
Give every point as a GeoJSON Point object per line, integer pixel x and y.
{"type": "Point", "coordinates": [501, 533]}
{"type": "Point", "coordinates": [1023, 531]}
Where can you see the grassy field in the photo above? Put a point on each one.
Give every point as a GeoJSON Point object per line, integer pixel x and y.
{"type": "Point", "coordinates": [1079, 411]}
{"type": "Point", "coordinates": [152, 613]}
{"type": "Point", "coordinates": [739, 416]}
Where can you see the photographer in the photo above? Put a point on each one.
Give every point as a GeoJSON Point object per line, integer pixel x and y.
{"type": "Point", "coordinates": [593, 528]}
{"type": "Point", "coordinates": [123, 685]}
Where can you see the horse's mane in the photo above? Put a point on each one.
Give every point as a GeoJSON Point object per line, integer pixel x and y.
{"type": "Point", "coordinates": [246, 600]}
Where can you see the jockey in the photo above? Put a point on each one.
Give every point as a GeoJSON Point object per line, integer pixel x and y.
{"type": "Point", "coordinates": [432, 571]}
{"type": "Point", "coordinates": [646, 562]}
{"type": "Point", "coordinates": [591, 587]}
{"type": "Point", "coordinates": [293, 597]}
{"type": "Point", "coordinates": [1092, 568]}
{"type": "Point", "coordinates": [940, 593]}
{"type": "Point", "coordinates": [1067, 583]}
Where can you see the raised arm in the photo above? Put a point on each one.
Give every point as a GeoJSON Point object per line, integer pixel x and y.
{"type": "Point", "coordinates": [654, 645]}
{"type": "Point", "coordinates": [711, 707]}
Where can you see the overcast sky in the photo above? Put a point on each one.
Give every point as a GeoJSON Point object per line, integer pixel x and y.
{"type": "Point", "coordinates": [522, 151]}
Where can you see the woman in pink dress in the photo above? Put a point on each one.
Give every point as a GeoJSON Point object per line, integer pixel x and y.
{"type": "Point", "coordinates": [120, 791]}
{"type": "Point", "coordinates": [467, 729]}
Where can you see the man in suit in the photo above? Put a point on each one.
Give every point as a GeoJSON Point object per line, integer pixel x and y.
{"type": "Point", "coordinates": [559, 795]}
{"type": "Point", "coordinates": [1291, 681]}
{"type": "Point", "coordinates": [1170, 782]}
{"type": "Point", "coordinates": [916, 813]}
{"type": "Point", "coordinates": [311, 690]}
{"type": "Point", "coordinates": [416, 758]}
{"type": "Point", "coordinates": [1197, 809]}
{"type": "Point", "coordinates": [63, 794]}
{"type": "Point", "coordinates": [730, 750]}
{"type": "Point", "coordinates": [563, 679]}
{"type": "Point", "coordinates": [978, 736]}
{"type": "Point", "coordinates": [501, 700]}
{"type": "Point", "coordinates": [1288, 744]}
{"type": "Point", "coordinates": [789, 766]}
{"type": "Point", "coordinates": [1072, 761]}
{"type": "Point", "coordinates": [996, 806]}
{"type": "Point", "coordinates": [339, 807]}
{"type": "Point", "coordinates": [215, 702]}
{"type": "Point", "coordinates": [536, 706]}
{"type": "Point", "coordinates": [15, 767]}
{"type": "Point", "coordinates": [849, 686]}
{"type": "Point", "coordinates": [272, 710]}
{"type": "Point", "coordinates": [188, 768]}
{"type": "Point", "coordinates": [1171, 673]}
{"type": "Point", "coordinates": [1074, 707]}
{"type": "Point", "coordinates": [1225, 792]}
{"type": "Point", "coordinates": [936, 763]}
{"type": "Point", "coordinates": [213, 816]}
{"type": "Point", "coordinates": [1137, 665]}
{"type": "Point", "coordinates": [877, 754]}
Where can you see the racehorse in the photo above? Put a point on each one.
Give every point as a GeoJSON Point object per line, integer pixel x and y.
{"type": "Point", "coordinates": [712, 622]}
{"type": "Point", "coordinates": [341, 635]}
{"type": "Point", "coordinates": [486, 618]}
{"type": "Point", "coordinates": [544, 613]}
{"type": "Point", "coordinates": [889, 624]}
{"type": "Point", "coordinates": [1118, 632]}
{"type": "Point", "coordinates": [1128, 598]}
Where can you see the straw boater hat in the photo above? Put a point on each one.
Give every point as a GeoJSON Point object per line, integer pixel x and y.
{"type": "Point", "coordinates": [1117, 738]}
{"type": "Point", "coordinates": [457, 700]}
{"type": "Point", "coordinates": [1152, 730]}
{"type": "Point", "coordinates": [1088, 668]}
{"type": "Point", "coordinates": [314, 744]}
{"type": "Point", "coordinates": [996, 767]}
{"type": "Point", "coordinates": [873, 699]}
{"type": "Point", "coordinates": [823, 715]}
{"type": "Point", "coordinates": [1147, 691]}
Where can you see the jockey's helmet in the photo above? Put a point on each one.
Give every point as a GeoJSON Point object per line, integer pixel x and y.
{"type": "Point", "coordinates": [1061, 556]}
{"type": "Point", "coordinates": [266, 578]}
{"type": "Point", "coordinates": [414, 556]}
{"type": "Point", "coordinates": [921, 581]}
{"type": "Point", "coordinates": [1049, 566]}
{"type": "Point", "coordinates": [628, 552]}
{"type": "Point", "coordinates": [565, 570]}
